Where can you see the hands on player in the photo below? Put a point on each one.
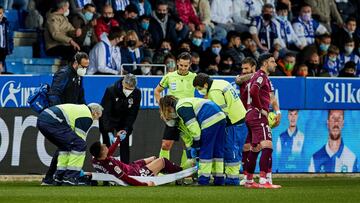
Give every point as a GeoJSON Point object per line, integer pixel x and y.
{"type": "Point", "coordinates": [121, 134]}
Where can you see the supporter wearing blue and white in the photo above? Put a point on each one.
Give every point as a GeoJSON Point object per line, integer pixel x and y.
{"type": "Point", "coordinates": [290, 146]}
{"type": "Point", "coordinates": [287, 32]}
{"type": "Point", "coordinates": [246, 10]}
{"type": "Point", "coordinates": [132, 52]}
{"type": "Point", "coordinates": [331, 62]}
{"type": "Point", "coordinates": [266, 30]}
{"type": "Point", "coordinates": [105, 56]}
{"type": "Point", "coordinates": [348, 54]}
{"type": "Point", "coordinates": [306, 27]}
{"type": "Point", "coordinates": [222, 13]}
{"type": "Point", "coordinates": [334, 156]}
{"type": "Point", "coordinates": [120, 5]}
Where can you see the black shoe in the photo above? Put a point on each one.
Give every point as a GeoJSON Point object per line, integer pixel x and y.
{"type": "Point", "coordinates": [70, 182]}
{"type": "Point", "coordinates": [47, 182]}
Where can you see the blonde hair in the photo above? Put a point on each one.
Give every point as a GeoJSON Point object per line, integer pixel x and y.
{"type": "Point", "coordinates": [167, 103]}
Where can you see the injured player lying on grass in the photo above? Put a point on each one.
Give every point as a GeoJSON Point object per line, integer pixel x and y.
{"type": "Point", "coordinates": [104, 162]}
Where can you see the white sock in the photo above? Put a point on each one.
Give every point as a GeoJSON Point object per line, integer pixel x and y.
{"type": "Point", "coordinates": [262, 180]}
{"type": "Point", "coordinates": [245, 177]}
{"type": "Point", "coordinates": [269, 177]}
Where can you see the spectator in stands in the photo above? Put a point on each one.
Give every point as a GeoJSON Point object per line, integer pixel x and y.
{"type": "Point", "coordinates": [321, 47]}
{"type": "Point", "coordinates": [128, 18]}
{"type": "Point", "coordinates": [287, 32]}
{"type": "Point", "coordinates": [212, 54]}
{"type": "Point", "coordinates": [144, 70]}
{"type": "Point", "coordinates": [347, 54]}
{"type": "Point", "coordinates": [106, 22]}
{"type": "Point", "coordinates": [78, 5]}
{"type": "Point", "coordinates": [197, 42]}
{"type": "Point", "coordinates": [145, 35]}
{"type": "Point", "coordinates": [233, 48]}
{"type": "Point", "coordinates": [202, 10]}
{"type": "Point", "coordinates": [326, 12]}
{"type": "Point", "coordinates": [144, 7]}
{"type": "Point", "coordinates": [34, 19]}
{"type": "Point", "coordinates": [66, 87]}
{"type": "Point", "coordinates": [226, 66]}
{"type": "Point", "coordinates": [306, 27]}
{"type": "Point", "coordinates": [222, 14]}
{"type": "Point", "coordinates": [188, 15]}
{"type": "Point", "coordinates": [132, 52]}
{"type": "Point", "coordinates": [6, 42]}
{"type": "Point", "coordinates": [349, 70]}
{"type": "Point", "coordinates": [250, 47]}
{"type": "Point", "coordinates": [347, 8]}
{"type": "Point", "coordinates": [348, 31]}
{"type": "Point", "coordinates": [119, 5]}
{"type": "Point", "coordinates": [105, 56]}
{"type": "Point", "coordinates": [85, 20]}
{"type": "Point", "coordinates": [195, 62]}
{"type": "Point", "coordinates": [164, 50]}
{"type": "Point", "coordinates": [332, 63]}
{"type": "Point", "coordinates": [285, 66]}
{"type": "Point", "coordinates": [265, 30]}
{"type": "Point", "coordinates": [163, 26]}
{"type": "Point", "coordinates": [302, 70]}
{"type": "Point", "coordinates": [170, 62]}
{"type": "Point", "coordinates": [245, 11]}
{"type": "Point", "coordinates": [60, 34]}
{"type": "Point", "coordinates": [314, 66]}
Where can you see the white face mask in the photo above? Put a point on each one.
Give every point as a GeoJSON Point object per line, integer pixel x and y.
{"type": "Point", "coordinates": [171, 123]}
{"type": "Point", "coordinates": [349, 50]}
{"type": "Point", "coordinates": [127, 92]}
{"type": "Point", "coordinates": [145, 70]}
{"type": "Point", "coordinates": [202, 91]}
{"type": "Point", "coordinates": [66, 14]}
{"type": "Point", "coordinates": [173, 115]}
{"type": "Point", "coordinates": [81, 71]}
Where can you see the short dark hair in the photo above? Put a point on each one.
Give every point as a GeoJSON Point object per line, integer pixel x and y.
{"type": "Point", "coordinates": [215, 41]}
{"type": "Point", "coordinates": [249, 60]}
{"type": "Point", "coordinates": [281, 6]}
{"type": "Point", "coordinates": [60, 3]}
{"type": "Point", "coordinates": [350, 19]}
{"type": "Point", "coordinates": [201, 79]}
{"type": "Point", "coordinates": [132, 8]}
{"type": "Point", "coordinates": [89, 5]}
{"type": "Point", "coordinates": [79, 56]}
{"type": "Point", "coordinates": [232, 34]}
{"type": "Point", "coordinates": [95, 149]}
{"type": "Point", "coordinates": [350, 65]}
{"type": "Point", "coordinates": [331, 110]}
{"type": "Point", "coordinates": [184, 56]}
{"type": "Point", "coordinates": [267, 6]}
{"type": "Point", "coordinates": [161, 2]}
{"type": "Point", "coordinates": [290, 54]}
{"type": "Point", "coordinates": [116, 32]}
{"type": "Point", "coordinates": [263, 58]}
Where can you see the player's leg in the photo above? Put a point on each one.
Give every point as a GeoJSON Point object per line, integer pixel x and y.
{"type": "Point", "coordinates": [171, 134]}
{"type": "Point", "coordinates": [163, 165]}
{"type": "Point", "coordinates": [218, 152]}
{"type": "Point", "coordinates": [245, 156]}
{"type": "Point", "coordinates": [231, 156]}
{"type": "Point", "coordinates": [125, 150]}
{"type": "Point", "coordinates": [149, 159]}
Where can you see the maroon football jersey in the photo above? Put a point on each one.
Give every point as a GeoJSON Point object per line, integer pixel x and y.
{"type": "Point", "coordinates": [261, 80]}
{"type": "Point", "coordinates": [245, 93]}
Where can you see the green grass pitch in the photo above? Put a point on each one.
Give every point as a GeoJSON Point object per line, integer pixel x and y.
{"type": "Point", "coordinates": [345, 189]}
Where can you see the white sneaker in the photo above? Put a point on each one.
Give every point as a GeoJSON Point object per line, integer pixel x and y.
{"type": "Point", "coordinates": [242, 182]}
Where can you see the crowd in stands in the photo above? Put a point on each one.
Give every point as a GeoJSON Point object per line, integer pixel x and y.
{"type": "Point", "coordinates": [308, 37]}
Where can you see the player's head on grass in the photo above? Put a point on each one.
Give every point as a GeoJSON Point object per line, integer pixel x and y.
{"type": "Point", "coordinates": [183, 63]}
{"type": "Point", "coordinates": [99, 151]}
{"type": "Point", "coordinates": [167, 106]}
{"type": "Point", "coordinates": [201, 82]}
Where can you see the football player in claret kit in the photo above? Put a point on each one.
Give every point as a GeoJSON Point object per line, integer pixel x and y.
{"type": "Point", "coordinates": [258, 125]}
{"type": "Point", "coordinates": [104, 162]}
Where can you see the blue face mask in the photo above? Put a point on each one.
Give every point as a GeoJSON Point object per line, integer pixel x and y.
{"type": "Point", "coordinates": [145, 25]}
{"type": "Point", "coordinates": [282, 18]}
{"type": "Point", "coordinates": [324, 47]}
{"type": "Point", "coordinates": [216, 50]}
{"type": "Point", "coordinates": [197, 42]}
{"type": "Point", "coordinates": [88, 16]}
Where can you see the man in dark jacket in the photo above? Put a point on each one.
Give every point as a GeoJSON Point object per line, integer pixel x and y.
{"type": "Point", "coordinates": [67, 87]}
{"type": "Point", "coordinates": [7, 44]}
{"type": "Point", "coordinates": [121, 103]}
{"type": "Point", "coordinates": [163, 26]}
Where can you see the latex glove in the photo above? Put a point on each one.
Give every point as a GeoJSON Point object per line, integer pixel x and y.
{"type": "Point", "coordinates": [122, 134]}
{"type": "Point", "coordinates": [111, 138]}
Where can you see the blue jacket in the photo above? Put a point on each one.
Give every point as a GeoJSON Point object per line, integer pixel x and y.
{"type": "Point", "coordinates": [9, 36]}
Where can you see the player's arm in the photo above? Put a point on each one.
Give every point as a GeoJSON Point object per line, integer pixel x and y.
{"type": "Point", "coordinates": [187, 114]}
{"type": "Point", "coordinates": [218, 98]}
{"type": "Point", "coordinates": [254, 94]}
{"type": "Point", "coordinates": [157, 93]}
{"type": "Point", "coordinates": [275, 104]}
{"type": "Point", "coordinates": [240, 79]}
{"type": "Point", "coordinates": [113, 147]}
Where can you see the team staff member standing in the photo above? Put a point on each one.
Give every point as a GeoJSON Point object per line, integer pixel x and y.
{"type": "Point", "coordinates": [179, 84]}
{"type": "Point", "coordinates": [66, 126]}
{"type": "Point", "coordinates": [121, 103]}
{"type": "Point", "coordinates": [67, 87]}
{"type": "Point", "coordinates": [224, 95]}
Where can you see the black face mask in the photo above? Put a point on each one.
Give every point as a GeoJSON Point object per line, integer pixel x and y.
{"type": "Point", "coordinates": [161, 16]}
{"type": "Point", "coordinates": [226, 67]}
{"type": "Point", "coordinates": [194, 68]}
{"type": "Point", "coordinates": [131, 43]}
{"type": "Point", "coordinates": [107, 19]}
{"type": "Point", "coordinates": [267, 17]}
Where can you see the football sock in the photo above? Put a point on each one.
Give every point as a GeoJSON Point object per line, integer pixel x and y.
{"type": "Point", "coordinates": [264, 161]}
{"type": "Point", "coordinates": [165, 154]}
{"type": "Point", "coordinates": [251, 164]}
{"type": "Point", "coordinates": [245, 155]}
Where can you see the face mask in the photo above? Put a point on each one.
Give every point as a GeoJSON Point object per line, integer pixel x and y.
{"type": "Point", "coordinates": [226, 66]}
{"type": "Point", "coordinates": [203, 91]}
{"type": "Point", "coordinates": [171, 123]}
{"type": "Point", "coordinates": [81, 71]}
{"type": "Point", "coordinates": [131, 43]}
{"type": "Point", "coordinates": [333, 59]}
{"type": "Point", "coordinates": [216, 50]}
{"type": "Point", "coordinates": [349, 50]}
{"type": "Point", "coordinates": [197, 42]}
{"type": "Point", "coordinates": [306, 16]}
{"type": "Point", "coordinates": [324, 47]}
{"type": "Point", "coordinates": [173, 115]}
{"type": "Point", "coordinates": [145, 25]}
{"type": "Point", "coordinates": [88, 16]}
{"type": "Point", "coordinates": [171, 64]}
{"type": "Point", "coordinates": [161, 16]}
{"type": "Point", "coordinates": [282, 18]}
{"type": "Point", "coordinates": [145, 70]}
{"type": "Point", "coordinates": [127, 92]}
{"type": "Point", "coordinates": [267, 17]}
{"type": "Point", "coordinates": [289, 66]}
{"type": "Point", "coordinates": [194, 67]}
{"type": "Point", "coordinates": [302, 73]}
{"type": "Point", "coordinates": [106, 19]}
{"type": "Point", "coordinates": [66, 14]}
